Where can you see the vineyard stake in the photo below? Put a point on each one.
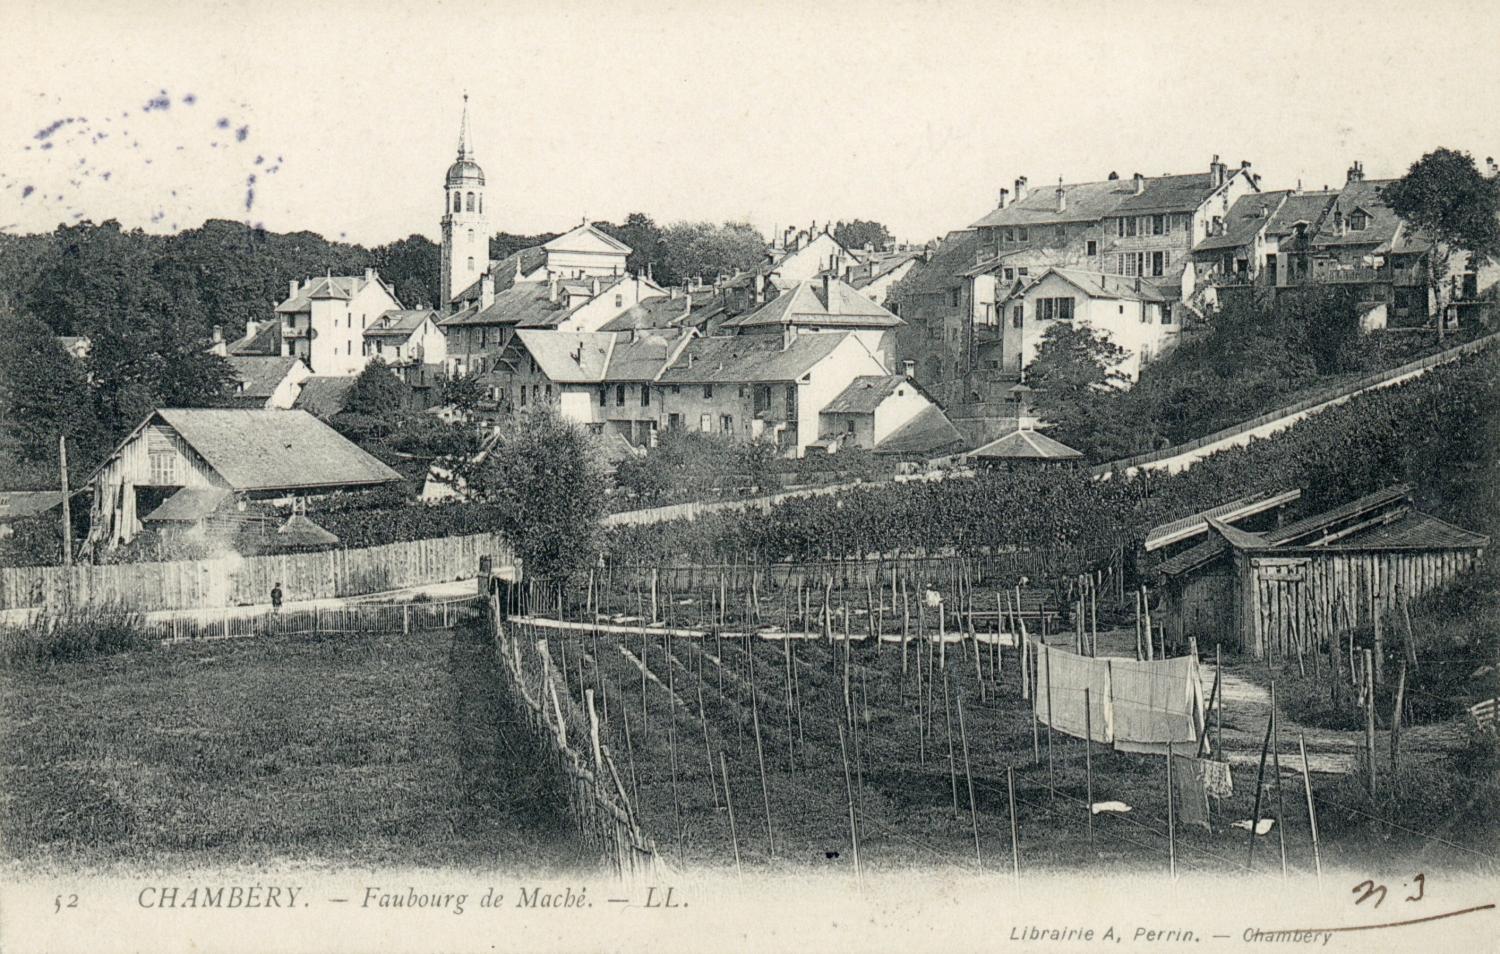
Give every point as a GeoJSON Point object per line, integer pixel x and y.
{"type": "Point", "coordinates": [672, 733]}
{"type": "Point", "coordinates": [1312, 814]}
{"type": "Point", "coordinates": [1172, 819]}
{"type": "Point", "coordinates": [1088, 765]}
{"type": "Point", "coordinates": [786, 651]}
{"type": "Point", "coordinates": [635, 782]}
{"type": "Point", "coordinates": [734, 838]}
{"type": "Point", "coordinates": [1276, 766]}
{"type": "Point", "coordinates": [948, 724]}
{"type": "Point", "coordinates": [1051, 782]}
{"type": "Point", "coordinates": [963, 736]}
{"type": "Point", "coordinates": [760, 757]}
{"type": "Point", "coordinates": [1260, 775]}
{"type": "Point", "coordinates": [849, 799]}
{"type": "Point", "coordinates": [707, 749]}
{"type": "Point", "coordinates": [645, 711]}
{"type": "Point", "coordinates": [1015, 846]}
{"type": "Point", "coordinates": [1396, 723]}
{"type": "Point", "coordinates": [1370, 716]}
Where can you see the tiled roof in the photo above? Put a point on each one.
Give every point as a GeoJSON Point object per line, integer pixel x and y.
{"type": "Point", "coordinates": [651, 313]}
{"type": "Point", "coordinates": [569, 357]}
{"type": "Point", "coordinates": [1174, 531]}
{"type": "Point", "coordinates": [399, 324]}
{"type": "Point", "coordinates": [265, 341]}
{"type": "Point", "coordinates": [1309, 207]}
{"type": "Point", "coordinates": [954, 254]}
{"type": "Point", "coordinates": [806, 303]}
{"type": "Point", "coordinates": [927, 434]}
{"type": "Point", "coordinates": [524, 305]}
{"type": "Point", "coordinates": [324, 395]}
{"type": "Point", "coordinates": [1248, 215]}
{"type": "Point", "coordinates": [259, 375]}
{"type": "Point", "coordinates": [1105, 284]}
{"type": "Point", "coordinates": [642, 357]}
{"type": "Point", "coordinates": [864, 394]}
{"type": "Point", "coordinates": [1181, 193]}
{"type": "Point", "coordinates": [1360, 195]}
{"type": "Point", "coordinates": [504, 271]}
{"type": "Point", "coordinates": [274, 450]}
{"type": "Point", "coordinates": [1026, 445]}
{"type": "Point", "coordinates": [1296, 533]}
{"type": "Point", "coordinates": [334, 286]}
{"type": "Point", "coordinates": [26, 503]}
{"type": "Point", "coordinates": [1084, 202]}
{"type": "Point", "coordinates": [750, 358]}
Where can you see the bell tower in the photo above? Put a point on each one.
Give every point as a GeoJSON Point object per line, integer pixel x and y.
{"type": "Point", "coordinates": [466, 234]}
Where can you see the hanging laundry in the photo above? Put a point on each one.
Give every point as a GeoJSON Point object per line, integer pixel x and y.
{"type": "Point", "coordinates": [1061, 678]}
{"type": "Point", "coordinates": [1098, 807]}
{"type": "Point", "coordinates": [1155, 703]}
{"type": "Point", "coordinates": [1217, 780]}
{"type": "Point", "coordinates": [1264, 828]}
{"type": "Point", "coordinates": [1188, 787]}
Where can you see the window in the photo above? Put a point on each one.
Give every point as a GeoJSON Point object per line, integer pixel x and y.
{"type": "Point", "coordinates": [1358, 220]}
{"type": "Point", "coordinates": [1010, 274]}
{"type": "Point", "coordinates": [1120, 227]}
{"type": "Point", "coordinates": [163, 468]}
{"type": "Point", "coordinates": [676, 389]}
{"type": "Point", "coordinates": [1158, 224]}
{"type": "Point", "coordinates": [1060, 234]}
{"type": "Point", "coordinates": [469, 202]}
{"type": "Point", "coordinates": [1010, 235]}
{"type": "Point", "coordinates": [705, 422]}
{"type": "Point", "coordinates": [645, 395]}
{"type": "Point", "coordinates": [1158, 263]}
{"type": "Point", "coordinates": [603, 395]}
{"type": "Point", "coordinates": [708, 391]}
{"type": "Point", "coordinates": [619, 395]}
{"type": "Point", "coordinates": [1055, 309]}
{"type": "Point", "coordinates": [849, 427]}
{"type": "Point", "coordinates": [549, 392]}
{"type": "Point", "coordinates": [471, 235]}
{"type": "Point", "coordinates": [523, 395]}
{"type": "Point", "coordinates": [726, 423]}
{"type": "Point", "coordinates": [1023, 235]}
{"type": "Point", "coordinates": [471, 263]}
{"type": "Point", "coordinates": [1166, 313]}
{"type": "Point", "coordinates": [481, 202]}
{"type": "Point", "coordinates": [1091, 248]}
{"type": "Point", "coordinates": [458, 202]}
{"type": "Point", "coordinates": [1017, 316]}
{"type": "Point", "coordinates": [674, 421]}
{"type": "Point", "coordinates": [954, 298]}
{"type": "Point", "coordinates": [1130, 226]}
{"type": "Point", "coordinates": [619, 300]}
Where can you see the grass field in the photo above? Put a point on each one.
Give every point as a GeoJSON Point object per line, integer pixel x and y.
{"type": "Point", "coordinates": [347, 750]}
{"type": "Point", "coordinates": [912, 804]}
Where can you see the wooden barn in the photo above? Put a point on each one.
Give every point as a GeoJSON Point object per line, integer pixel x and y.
{"type": "Point", "coordinates": [213, 454]}
{"type": "Point", "coordinates": [1280, 590]}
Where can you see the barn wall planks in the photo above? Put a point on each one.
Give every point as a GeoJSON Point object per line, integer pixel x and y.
{"type": "Point", "coordinates": [236, 581]}
{"type": "Point", "coordinates": [1298, 599]}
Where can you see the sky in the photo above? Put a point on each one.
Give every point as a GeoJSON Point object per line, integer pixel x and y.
{"type": "Point", "coordinates": [913, 114]}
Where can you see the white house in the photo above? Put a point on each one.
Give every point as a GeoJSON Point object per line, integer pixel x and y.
{"type": "Point", "coordinates": [267, 381]}
{"type": "Point", "coordinates": [874, 408]}
{"type": "Point", "coordinates": [323, 320]}
{"type": "Point", "coordinates": [1131, 312]}
{"type": "Point", "coordinates": [824, 305]}
{"type": "Point", "coordinates": [809, 257]}
{"type": "Point", "coordinates": [406, 337]}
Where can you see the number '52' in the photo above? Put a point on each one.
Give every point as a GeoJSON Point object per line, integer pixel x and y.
{"type": "Point", "coordinates": [58, 903]}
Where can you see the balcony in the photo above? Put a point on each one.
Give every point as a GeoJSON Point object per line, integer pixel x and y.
{"type": "Point", "coordinates": [291, 331]}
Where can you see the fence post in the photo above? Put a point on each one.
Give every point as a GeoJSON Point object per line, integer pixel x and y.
{"type": "Point", "coordinates": [734, 839]}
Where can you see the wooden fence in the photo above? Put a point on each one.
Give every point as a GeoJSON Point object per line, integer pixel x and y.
{"type": "Point", "coordinates": [233, 580]}
{"type": "Point", "coordinates": [233, 623]}
{"type": "Point", "coordinates": [597, 800]}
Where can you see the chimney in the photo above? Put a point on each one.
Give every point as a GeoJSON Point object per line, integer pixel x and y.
{"type": "Point", "coordinates": [292, 289]}
{"type": "Point", "coordinates": [672, 292]}
{"type": "Point", "coordinates": [1004, 197]}
{"type": "Point", "coordinates": [1215, 172]}
{"type": "Point", "coordinates": [251, 327]}
{"type": "Point", "coordinates": [909, 367]}
{"type": "Point", "coordinates": [788, 333]}
{"type": "Point", "coordinates": [1020, 184]}
{"type": "Point", "coordinates": [760, 288]}
{"type": "Point", "coordinates": [595, 287]}
{"type": "Point", "coordinates": [369, 274]}
{"type": "Point", "coordinates": [486, 290]}
{"type": "Point", "coordinates": [552, 289]}
{"type": "Point", "coordinates": [1356, 172]}
{"type": "Point", "coordinates": [218, 335]}
{"type": "Point", "coordinates": [1062, 197]}
{"type": "Point", "coordinates": [1138, 182]}
{"type": "Point", "coordinates": [1113, 175]}
{"type": "Point", "coordinates": [830, 295]}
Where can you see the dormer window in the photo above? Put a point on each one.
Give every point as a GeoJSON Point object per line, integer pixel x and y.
{"type": "Point", "coordinates": [1358, 220]}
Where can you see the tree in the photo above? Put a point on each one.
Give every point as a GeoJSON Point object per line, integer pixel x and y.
{"type": "Point", "coordinates": [644, 237]}
{"type": "Point", "coordinates": [506, 244]}
{"type": "Point", "coordinates": [859, 233]}
{"type": "Point", "coordinates": [545, 476]}
{"type": "Point", "coordinates": [43, 394]}
{"type": "Point", "coordinates": [462, 391]}
{"type": "Point", "coordinates": [1078, 386]}
{"type": "Point", "coordinates": [702, 250]}
{"type": "Point", "coordinates": [376, 404]}
{"type": "Point", "coordinates": [411, 265]}
{"type": "Point", "coordinates": [1446, 197]}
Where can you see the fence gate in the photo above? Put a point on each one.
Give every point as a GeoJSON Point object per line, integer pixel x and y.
{"type": "Point", "coordinates": [1280, 604]}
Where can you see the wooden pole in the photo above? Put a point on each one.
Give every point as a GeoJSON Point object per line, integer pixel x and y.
{"type": "Point", "coordinates": [1051, 780]}
{"type": "Point", "coordinates": [849, 799]}
{"type": "Point", "coordinates": [1260, 775]}
{"type": "Point", "coordinates": [948, 724]}
{"type": "Point", "coordinates": [1312, 814]}
{"type": "Point", "coordinates": [963, 736]}
{"type": "Point", "coordinates": [734, 839]}
{"type": "Point", "coordinates": [67, 504]}
{"type": "Point", "coordinates": [708, 754]}
{"type": "Point", "coordinates": [1171, 820]}
{"type": "Point", "coordinates": [1370, 716]}
{"type": "Point", "coordinates": [1088, 766]}
{"type": "Point", "coordinates": [1276, 766]}
{"type": "Point", "coordinates": [1396, 724]}
{"type": "Point", "coordinates": [760, 757]}
{"type": "Point", "coordinates": [1139, 652]}
{"type": "Point", "coordinates": [635, 782]}
{"type": "Point", "coordinates": [1015, 846]}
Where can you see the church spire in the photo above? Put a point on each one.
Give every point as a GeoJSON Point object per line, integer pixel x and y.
{"type": "Point", "coordinates": [465, 151]}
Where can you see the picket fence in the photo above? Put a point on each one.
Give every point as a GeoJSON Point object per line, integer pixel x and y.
{"type": "Point", "coordinates": [597, 801]}
{"type": "Point", "coordinates": [233, 580]}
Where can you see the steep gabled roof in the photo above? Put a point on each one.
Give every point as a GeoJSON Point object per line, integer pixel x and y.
{"type": "Point", "coordinates": [1179, 193]}
{"type": "Point", "coordinates": [1248, 215]}
{"type": "Point", "coordinates": [399, 323]}
{"type": "Point", "coordinates": [1363, 195]}
{"type": "Point", "coordinates": [568, 241]}
{"type": "Point", "coordinates": [1083, 202]}
{"type": "Point", "coordinates": [265, 341]}
{"type": "Point", "coordinates": [260, 375]}
{"type": "Point", "coordinates": [651, 313]}
{"type": "Point", "coordinates": [1304, 207]}
{"type": "Point", "coordinates": [864, 394]}
{"type": "Point", "coordinates": [341, 287]}
{"type": "Point", "coordinates": [750, 358]}
{"type": "Point", "coordinates": [324, 395]}
{"type": "Point", "coordinates": [274, 450]}
{"type": "Point", "coordinates": [519, 305]}
{"type": "Point", "coordinates": [568, 357]}
{"type": "Point", "coordinates": [189, 505]}
{"type": "Point", "coordinates": [807, 303]}
{"type": "Point", "coordinates": [929, 433]}
{"type": "Point", "coordinates": [1104, 284]}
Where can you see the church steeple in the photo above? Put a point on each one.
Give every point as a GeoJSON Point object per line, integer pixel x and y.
{"type": "Point", "coordinates": [465, 251]}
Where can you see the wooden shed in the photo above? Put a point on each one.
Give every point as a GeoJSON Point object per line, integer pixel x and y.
{"type": "Point", "coordinates": [1295, 586]}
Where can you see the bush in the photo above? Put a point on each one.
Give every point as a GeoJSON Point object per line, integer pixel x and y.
{"type": "Point", "coordinates": [53, 638]}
